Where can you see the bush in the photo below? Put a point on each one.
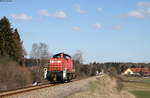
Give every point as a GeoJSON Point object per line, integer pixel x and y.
{"type": "Point", "coordinates": [112, 72]}
{"type": "Point", "coordinates": [119, 83]}
{"type": "Point", "coordinates": [37, 73]}
{"type": "Point", "coordinates": [12, 75]}
{"type": "Point", "coordinates": [82, 70]}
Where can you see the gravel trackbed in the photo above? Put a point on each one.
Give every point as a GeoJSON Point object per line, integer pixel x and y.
{"type": "Point", "coordinates": [59, 91]}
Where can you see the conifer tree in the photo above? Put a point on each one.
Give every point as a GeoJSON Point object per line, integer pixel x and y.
{"type": "Point", "coordinates": [6, 36]}
{"type": "Point", "coordinates": [1, 44]}
{"type": "Point", "coordinates": [18, 47]}
{"type": "Point", "coordinates": [10, 42]}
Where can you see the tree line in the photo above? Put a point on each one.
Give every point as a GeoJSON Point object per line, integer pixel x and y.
{"type": "Point", "coordinates": [10, 42]}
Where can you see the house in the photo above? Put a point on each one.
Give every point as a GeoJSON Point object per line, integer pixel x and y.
{"type": "Point", "coordinates": [136, 71]}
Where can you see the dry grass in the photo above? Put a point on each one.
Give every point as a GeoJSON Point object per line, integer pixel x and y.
{"type": "Point", "coordinates": [12, 75]}
{"type": "Point", "coordinates": [103, 87]}
{"type": "Point", "coordinates": [136, 86]}
{"type": "Point", "coordinates": [138, 79]}
{"type": "Point", "coordinates": [136, 83]}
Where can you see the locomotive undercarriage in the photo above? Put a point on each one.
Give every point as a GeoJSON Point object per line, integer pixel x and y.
{"type": "Point", "coordinates": [60, 76]}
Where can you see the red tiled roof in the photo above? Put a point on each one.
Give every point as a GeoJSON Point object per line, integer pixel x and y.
{"type": "Point", "coordinates": [140, 69]}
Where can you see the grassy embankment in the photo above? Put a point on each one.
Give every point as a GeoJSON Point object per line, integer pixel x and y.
{"type": "Point", "coordinates": [138, 86]}
{"type": "Point", "coordinates": [104, 87]}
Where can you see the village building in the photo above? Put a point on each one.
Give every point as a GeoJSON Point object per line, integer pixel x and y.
{"type": "Point", "coordinates": [136, 71]}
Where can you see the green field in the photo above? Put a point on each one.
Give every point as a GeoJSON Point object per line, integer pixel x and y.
{"type": "Point", "coordinates": [138, 86]}
{"type": "Point", "coordinates": [141, 94]}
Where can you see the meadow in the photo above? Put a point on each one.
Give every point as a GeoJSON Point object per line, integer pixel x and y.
{"type": "Point", "coordinates": [138, 86]}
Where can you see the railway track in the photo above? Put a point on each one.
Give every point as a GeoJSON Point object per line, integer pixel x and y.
{"type": "Point", "coordinates": [26, 89]}
{"type": "Point", "coordinates": [18, 92]}
{"type": "Point", "coordinates": [31, 88]}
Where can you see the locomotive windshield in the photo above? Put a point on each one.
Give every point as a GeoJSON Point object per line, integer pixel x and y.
{"type": "Point", "coordinates": [66, 56]}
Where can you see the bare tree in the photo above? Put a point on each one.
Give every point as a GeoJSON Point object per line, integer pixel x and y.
{"type": "Point", "coordinates": [78, 56]}
{"type": "Point", "coordinates": [43, 50]}
{"type": "Point", "coordinates": [44, 54]}
{"type": "Point", "coordinates": [35, 51]}
{"type": "Point", "coordinates": [40, 53]}
{"type": "Point", "coordinates": [77, 61]}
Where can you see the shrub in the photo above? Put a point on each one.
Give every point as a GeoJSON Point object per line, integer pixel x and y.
{"type": "Point", "coordinates": [37, 73]}
{"type": "Point", "coordinates": [12, 75]}
{"type": "Point", "coordinates": [119, 83]}
{"type": "Point", "coordinates": [112, 72]}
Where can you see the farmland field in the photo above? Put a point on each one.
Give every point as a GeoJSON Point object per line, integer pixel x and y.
{"type": "Point", "coordinates": [141, 94]}
{"type": "Point", "coordinates": [139, 86]}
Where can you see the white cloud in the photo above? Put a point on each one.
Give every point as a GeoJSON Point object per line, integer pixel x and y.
{"type": "Point", "coordinates": [148, 10]}
{"type": "Point", "coordinates": [21, 16]}
{"type": "Point", "coordinates": [117, 27]}
{"type": "Point", "coordinates": [76, 28]}
{"type": "Point", "coordinates": [143, 4]}
{"type": "Point", "coordinates": [97, 26]}
{"type": "Point", "coordinates": [79, 10]}
{"type": "Point", "coordinates": [43, 12]}
{"type": "Point", "coordinates": [58, 14]}
{"type": "Point", "coordinates": [140, 12]}
{"type": "Point", "coordinates": [136, 13]}
{"type": "Point", "coordinates": [99, 9]}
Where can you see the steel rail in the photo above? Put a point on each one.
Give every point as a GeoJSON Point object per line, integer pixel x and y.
{"type": "Point", "coordinates": [32, 88]}
{"type": "Point", "coordinates": [22, 90]}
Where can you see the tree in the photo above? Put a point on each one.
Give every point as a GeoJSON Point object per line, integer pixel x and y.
{"type": "Point", "coordinates": [19, 52]}
{"type": "Point", "coordinates": [43, 49]}
{"type": "Point", "coordinates": [10, 42]}
{"type": "Point", "coordinates": [40, 53]}
{"type": "Point", "coordinates": [2, 51]}
{"type": "Point", "coordinates": [44, 54]}
{"type": "Point", "coordinates": [77, 61]}
{"type": "Point", "coordinates": [6, 38]}
{"type": "Point", "coordinates": [78, 57]}
{"type": "Point", "coordinates": [35, 51]}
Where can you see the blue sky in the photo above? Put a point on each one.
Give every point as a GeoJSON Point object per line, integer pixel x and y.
{"type": "Point", "coordinates": [104, 30]}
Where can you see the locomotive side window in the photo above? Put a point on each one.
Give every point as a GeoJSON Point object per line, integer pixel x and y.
{"type": "Point", "coordinates": [66, 57]}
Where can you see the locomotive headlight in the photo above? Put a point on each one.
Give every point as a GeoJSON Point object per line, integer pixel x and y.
{"type": "Point", "coordinates": [51, 61]}
{"type": "Point", "coordinates": [58, 61]}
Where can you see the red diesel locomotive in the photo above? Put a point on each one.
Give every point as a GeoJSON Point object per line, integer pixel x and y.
{"type": "Point", "coordinates": [60, 68]}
